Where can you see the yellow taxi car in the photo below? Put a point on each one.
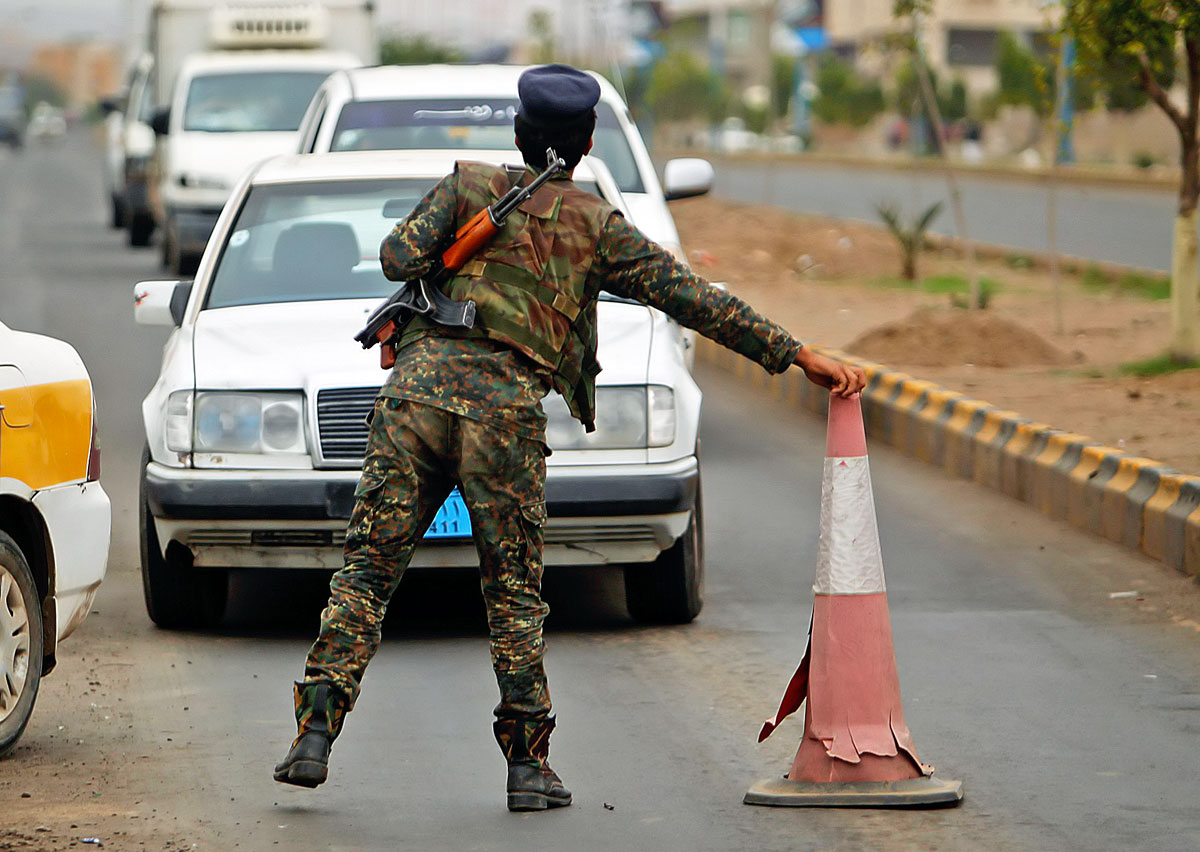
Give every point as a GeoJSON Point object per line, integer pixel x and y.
{"type": "Point", "coordinates": [55, 519]}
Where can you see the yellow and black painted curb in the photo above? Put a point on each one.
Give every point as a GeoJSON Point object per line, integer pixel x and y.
{"type": "Point", "coordinates": [1137, 502]}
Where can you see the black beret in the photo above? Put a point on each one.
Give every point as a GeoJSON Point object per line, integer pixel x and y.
{"type": "Point", "coordinates": [556, 95]}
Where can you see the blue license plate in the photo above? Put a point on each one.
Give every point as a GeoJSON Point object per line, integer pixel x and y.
{"type": "Point", "coordinates": [452, 520]}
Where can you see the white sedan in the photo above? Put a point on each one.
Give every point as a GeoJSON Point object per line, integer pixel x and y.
{"type": "Point", "coordinates": [55, 519]}
{"type": "Point", "coordinates": [255, 428]}
{"type": "Point", "coordinates": [456, 107]}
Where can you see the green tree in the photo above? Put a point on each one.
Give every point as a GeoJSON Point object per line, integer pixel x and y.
{"type": "Point", "coordinates": [844, 96]}
{"type": "Point", "coordinates": [682, 88]}
{"type": "Point", "coordinates": [415, 50]}
{"type": "Point", "coordinates": [1024, 80]}
{"type": "Point", "coordinates": [909, 236]}
{"type": "Point", "coordinates": [1144, 35]}
{"type": "Point", "coordinates": [541, 30]}
{"type": "Point", "coordinates": [907, 96]}
{"type": "Point", "coordinates": [909, 12]}
{"type": "Point", "coordinates": [955, 107]}
{"type": "Point", "coordinates": [783, 83]}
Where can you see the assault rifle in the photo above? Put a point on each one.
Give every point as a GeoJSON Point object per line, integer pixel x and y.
{"type": "Point", "coordinates": [424, 296]}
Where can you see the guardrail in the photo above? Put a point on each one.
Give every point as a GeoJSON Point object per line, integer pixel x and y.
{"type": "Point", "coordinates": [1137, 502]}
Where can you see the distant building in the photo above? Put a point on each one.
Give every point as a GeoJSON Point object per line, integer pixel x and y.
{"type": "Point", "coordinates": [960, 37]}
{"type": "Point", "coordinates": [581, 30]}
{"type": "Point", "coordinates": [84, 71]}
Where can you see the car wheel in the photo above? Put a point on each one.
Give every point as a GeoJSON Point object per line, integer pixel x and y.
{"type": "Point", "coordinates": [20, 643]}
{"type": "Point", "coordinates": [117, 212]}
{"type": "Point", "coordinates": [141, 228]}
{"type": "Point", "coordinates": [670, 590]}
{"type": "Point", "coordinates": [185, 265]}
{"type": "Point", "coordinates": [167, 255]}
{"type": "Point", "coordinates": [177, 595]}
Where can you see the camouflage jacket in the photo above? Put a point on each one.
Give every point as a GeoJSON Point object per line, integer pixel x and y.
{"type": "Point", "coordinates": [616, 258]}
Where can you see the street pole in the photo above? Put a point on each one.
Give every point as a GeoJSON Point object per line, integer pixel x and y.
{"type": "Point", "coordinates": [935, 117]}
{"type": "Point", "coordinates": [1062, 154]}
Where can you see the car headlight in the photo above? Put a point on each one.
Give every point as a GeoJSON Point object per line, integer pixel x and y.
{"type": "Point", "coordinates": [626, 418]}
{"type": "Point", "coordinates": [235, 422]}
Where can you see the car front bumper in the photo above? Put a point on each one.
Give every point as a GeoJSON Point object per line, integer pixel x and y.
{"type": "Point", "coordinates": [610, 514]}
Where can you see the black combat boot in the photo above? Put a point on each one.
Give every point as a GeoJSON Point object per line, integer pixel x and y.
{"type": "Point", "coordinates": [319, 711]}
{"type": "Point", "coordinates": [532, 784]}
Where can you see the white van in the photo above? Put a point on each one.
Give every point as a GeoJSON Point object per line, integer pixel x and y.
{"type": "Point", "coordinates": [228, 111]}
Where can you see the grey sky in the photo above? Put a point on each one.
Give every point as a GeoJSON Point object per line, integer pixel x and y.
{"type": "Point", "coordinates": [111, 19]}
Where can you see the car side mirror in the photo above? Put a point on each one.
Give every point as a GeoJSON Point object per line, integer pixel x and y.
{"type": "Point", "coordinates": [160, 302]}
{"type": "Point", "coordinates": [160, 122]}
{"type": "Point", "coordinates": [687, 177]}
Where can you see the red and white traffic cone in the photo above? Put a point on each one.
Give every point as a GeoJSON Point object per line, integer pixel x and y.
{"type": "Point", "coordinates": [856, 750]}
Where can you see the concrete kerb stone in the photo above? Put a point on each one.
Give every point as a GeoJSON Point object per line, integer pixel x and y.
{"type": "Point", "coordinates": [1138, 502]}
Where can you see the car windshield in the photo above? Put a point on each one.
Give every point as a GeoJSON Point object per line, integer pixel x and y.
{"type": "Point", "coordinates": [467, 123]}
{"type": "Point", "coordinates": [10, 100]}
{"type": "Point", "coordinates": [249, 101]}
{"type": "Point", "coordinates": [315, 240]}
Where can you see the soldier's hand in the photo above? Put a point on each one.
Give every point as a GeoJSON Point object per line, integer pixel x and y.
{"type": "Point", "coordinates": [841, 379]}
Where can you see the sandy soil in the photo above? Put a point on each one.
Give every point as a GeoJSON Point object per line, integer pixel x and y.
{"type": "Point", "coordinates": [96, 781]}
{"type": "Point", "coordinates": [821, 279]}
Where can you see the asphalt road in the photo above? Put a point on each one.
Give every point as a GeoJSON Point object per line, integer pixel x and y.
{"type": "Point", "coordinates": [1072, 718]}
{"type": "Point", "coordinates": [1116, 224]}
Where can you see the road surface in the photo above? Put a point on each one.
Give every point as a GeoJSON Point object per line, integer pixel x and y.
{"type": "Point", "coordinates": [1117, 224]}
{"type": "Point", "coordinates": [1071, 717]}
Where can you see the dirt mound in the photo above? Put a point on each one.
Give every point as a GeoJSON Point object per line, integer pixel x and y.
{"type": "Point", "coordinates": [949, 337]}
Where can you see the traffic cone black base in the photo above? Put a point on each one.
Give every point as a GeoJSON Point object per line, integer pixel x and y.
{"type": "Point", "coordinates": [927, 792]}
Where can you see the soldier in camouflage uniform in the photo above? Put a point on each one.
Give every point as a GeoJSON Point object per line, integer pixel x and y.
{"type": "Point", "coordinates": [462, 407]}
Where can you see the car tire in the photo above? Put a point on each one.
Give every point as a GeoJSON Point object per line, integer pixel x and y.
{"type": "Point", "coordinates": [117, 208]}
{"type": "Point", "coordinates": [177, 595]}
{"type": "Point", "coordinates": [141, 228]}
{"type": "Point", "coordinates": [185, 265]}
{"type": "Point", "coordinates": [166, 249]}
{"type": "Point", "coordinates": [670, 590]}
{"type": "Point", "coordinates": [20, 643]}
{"type": "Point", "coordinates": [174, 258]}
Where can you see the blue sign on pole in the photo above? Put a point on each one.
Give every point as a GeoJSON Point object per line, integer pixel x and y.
{"type": "Point", "coordinates": [1066, 106]}
{"type": "Point", "coordinates": [813, 38]}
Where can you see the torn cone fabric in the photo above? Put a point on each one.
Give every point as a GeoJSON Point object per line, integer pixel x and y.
{"type": "Point", "coordinates": [854, 728]}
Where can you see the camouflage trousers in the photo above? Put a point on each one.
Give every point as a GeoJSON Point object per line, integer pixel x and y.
{"type": "Point", "coordinates": [416, 454]}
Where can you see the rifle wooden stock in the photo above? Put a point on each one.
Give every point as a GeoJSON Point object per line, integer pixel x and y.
{"type": "Point", "coordinates": [470, 238]}
{"type": "Point", "coordinates": [387, 352]}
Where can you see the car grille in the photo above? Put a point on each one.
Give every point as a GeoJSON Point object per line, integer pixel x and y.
{"type": "Point", "coordinates": [265, 538]}
{"type": "Point", "coordinates": [342, 423]}
{"type": "Point", "coordinates": [556, 534]}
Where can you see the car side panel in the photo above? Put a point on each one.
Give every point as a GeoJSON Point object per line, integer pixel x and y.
{"type": "Point", "coordinates": [45, 442]}
{"type": "Point", "coordinates": [79, 518]}
{"type": "Point", "coordinates": [52, 446]}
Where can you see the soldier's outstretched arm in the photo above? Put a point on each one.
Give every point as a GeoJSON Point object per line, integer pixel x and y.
{"type": "Point", "coordinates": [412, 248]}
{"type": "Point", "coordinates": [630, 265]}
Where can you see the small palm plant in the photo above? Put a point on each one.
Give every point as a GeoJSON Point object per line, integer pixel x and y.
{"type": "Point", "coordinates": [910, 236]}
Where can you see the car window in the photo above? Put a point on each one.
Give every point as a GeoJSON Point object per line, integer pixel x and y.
{"type": "Point", "coordinates": [310, 241]}
{"type": "Point", "coordinates": [248, 101]}
{"type": "Point", "coordinates": [481, 124]}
